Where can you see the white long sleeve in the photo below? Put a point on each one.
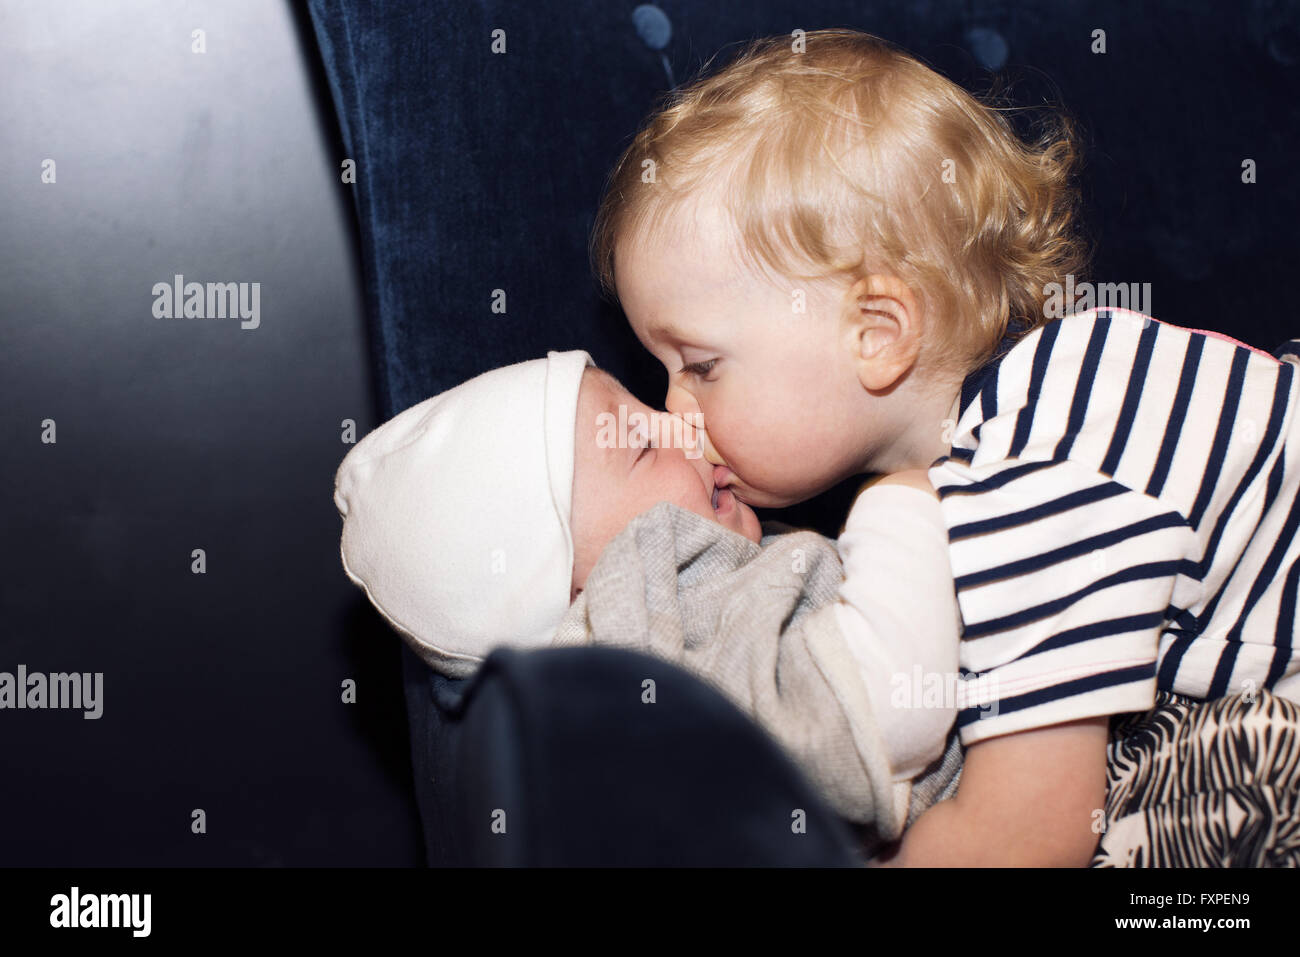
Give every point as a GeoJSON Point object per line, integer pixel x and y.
{"type": "Point", "coordinates": [898, 613]}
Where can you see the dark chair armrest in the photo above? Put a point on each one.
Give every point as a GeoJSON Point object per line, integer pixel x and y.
{"type": "Point", "coordinates": [557, 746]}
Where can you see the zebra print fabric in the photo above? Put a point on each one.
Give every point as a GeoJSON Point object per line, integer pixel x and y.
{"type": "Point", "coordinates": [1204, 784]}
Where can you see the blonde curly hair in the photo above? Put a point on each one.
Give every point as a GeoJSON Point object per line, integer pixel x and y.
{"type": "Point", "coordinates": [851, 157]}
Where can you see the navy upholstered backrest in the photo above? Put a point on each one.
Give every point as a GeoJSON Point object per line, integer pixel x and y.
{"type": "Point", "coordinates": [480, 171]}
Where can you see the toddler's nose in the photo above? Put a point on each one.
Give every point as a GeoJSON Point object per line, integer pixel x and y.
{"type": "Point", "coordinates": [681, 403]}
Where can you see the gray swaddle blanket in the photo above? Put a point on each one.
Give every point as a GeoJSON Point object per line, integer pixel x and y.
{"type": "Point", "coordinates": [757, 623]}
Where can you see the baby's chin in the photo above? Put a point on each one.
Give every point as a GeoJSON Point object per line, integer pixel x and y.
{"type": "Point", "coordinates": [737, 516]}
{"type": "Point", "coordinates": [750, 526]}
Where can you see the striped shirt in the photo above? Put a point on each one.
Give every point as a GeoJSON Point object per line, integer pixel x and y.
{"type": "Point", "coordinates": [1121, 499]}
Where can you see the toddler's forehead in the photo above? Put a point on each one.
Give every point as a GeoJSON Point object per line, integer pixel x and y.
{"type": "Point", "coordinates": [700, 220]}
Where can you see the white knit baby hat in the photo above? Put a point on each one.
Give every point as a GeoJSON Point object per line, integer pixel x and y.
{"type": "Point", "coordinates": [456, 512]}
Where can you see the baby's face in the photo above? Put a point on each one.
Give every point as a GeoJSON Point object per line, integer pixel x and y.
{"type": "Point", "coordinates": [617, 475]}
{"type": "Point", "coordinates": [776, 388]}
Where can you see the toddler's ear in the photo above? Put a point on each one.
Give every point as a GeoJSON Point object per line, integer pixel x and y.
{"type": "Point", "coordinates": [882, 329]}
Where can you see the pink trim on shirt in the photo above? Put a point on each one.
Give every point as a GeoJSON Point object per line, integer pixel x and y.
{"type": "Point", "coordinates": [1205, 332]}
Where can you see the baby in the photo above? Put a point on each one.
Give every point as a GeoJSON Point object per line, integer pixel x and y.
{"type": "Point", "coordinates": [845, 263]}
{"type": "Point", "coordinates": [474, 518]}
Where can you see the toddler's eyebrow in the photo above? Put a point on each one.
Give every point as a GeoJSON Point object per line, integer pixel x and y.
{"type": "Point", "coordinates": [665, 330]}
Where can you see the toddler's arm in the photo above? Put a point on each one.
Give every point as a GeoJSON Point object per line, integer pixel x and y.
{"type": "Point", "coordinates": [898, 614]}
{"type": "Point", "coordinates": [1025, 800]}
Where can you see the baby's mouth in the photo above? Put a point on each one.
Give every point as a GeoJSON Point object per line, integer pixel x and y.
{"type": "Point", "coordinates": [724, 502]}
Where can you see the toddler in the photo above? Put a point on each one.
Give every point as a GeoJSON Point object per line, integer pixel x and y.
{"type": "Point", "coordinates": [475, 517]}
{"type": "Point", "coordinates": [843, 261]}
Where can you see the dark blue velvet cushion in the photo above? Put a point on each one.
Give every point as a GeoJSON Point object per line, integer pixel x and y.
{"type": "Point", "coordinates": [480, 171]}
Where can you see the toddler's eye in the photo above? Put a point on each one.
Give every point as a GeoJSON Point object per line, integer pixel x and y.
{"type": "Point", "coordinates": [700, 368]}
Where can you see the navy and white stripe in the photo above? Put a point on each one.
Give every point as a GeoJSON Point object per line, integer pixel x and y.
{"type": "Point", "coordinates": [1122, 500]}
